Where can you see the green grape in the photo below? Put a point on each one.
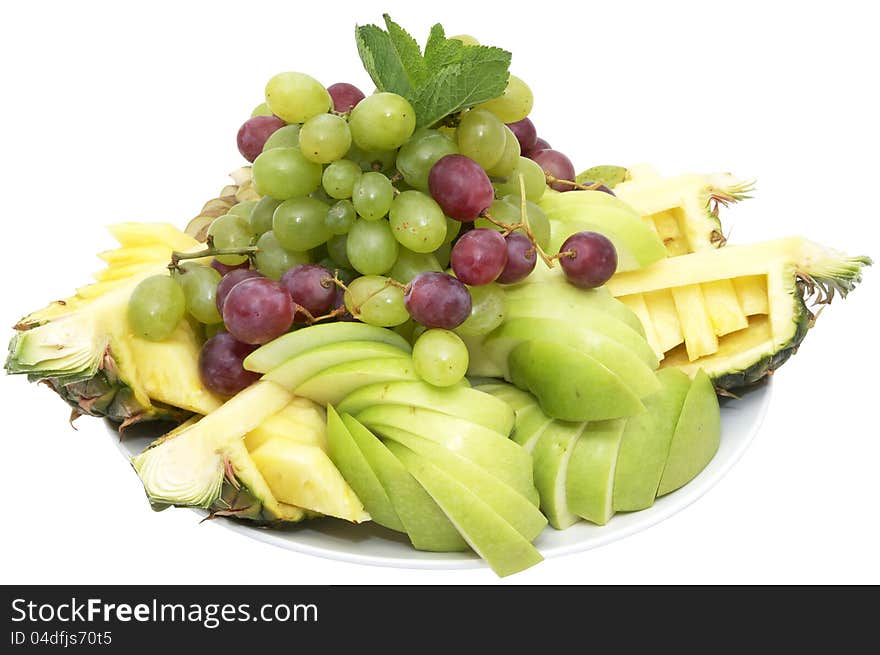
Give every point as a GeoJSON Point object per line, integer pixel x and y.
{"type": "Point", "coordinates": [488, 310]}
{"type": "Point", "coordinates": [514, 104]}
{"type": "Point", "coordinates": [273, 260]}
{"type": "Point", "coordinates": [299, 225]}
{"type": "Point", "coordinates": [440, 357]}
{"type": "Point", "coordinates": [199, 284]}
{"type": "Point", "coordinates": [453, 227]}
{"type": "Point", "coordinates": [443, 254]}
{"type": "Point", "coordinates": [409, 264]}
{"type": "Point", "coordinates": [417, 222]}
{"type": "Point", "coordinates": [508, 210]}
{"type": "Point", "coordinates": [325, 138]}
{"type": "Point", "coordinates": [509, 158]}
{"type": "Point", "coordinates": [261, 109]}
{"type": "Point", "coordinates": [375, 300]}
{"type": "Point", "coordinates": [320, 194]}
{"type": "Point", "coordinates": [481, 137]}
{"type": "Point", "coordinates": [467, 39]}
{"type": "Point", "coordinates": [340, 177]}
{"type": "Point", "coordinates": [283, 137]}
{"type": "Point", "coordinates": [372, 160]}
{"type": "Point", "coordinates": [371, 247]}
{"type": "Point", "coordinates": [336, 248]}
{"type": "Point", "coordinates": [420, 153]}
{"type": "Point", "coordinates": [214, 329]}
{"type": "Point", "coordinates": [230, 232]}
{"type": "Point", "coordinates": [261, 216]}
{"type": "Point", "coordinates": [284, 173]}
{"type": "Point", "coordinates": [156, 307]}
{"type": "Point", "coordinates": [243, 209]}
{"type": "Point", "coordinates": [340, 217]}
{"type": "Point", "coordinates": [372, 196]}
{"type": "Point", "coordinates": [533, 177]}
{"type": "Point", "coordinates": [296, 97]}
{"type": "Point", "coordinates": [382, 121]}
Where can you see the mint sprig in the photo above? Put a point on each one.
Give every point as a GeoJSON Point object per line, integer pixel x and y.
{"type": "Point", "coordinates": [446, 79]}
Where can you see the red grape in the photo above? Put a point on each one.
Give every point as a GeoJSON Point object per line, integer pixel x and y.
{"type": "Point", "coordinates": [223, 269]}
{"type": "Point", "coordinates": [479, 256]}
{"type": "Point", "coordinates": [525, 133]}
{"type": "Point", "coordinates": [258, 310]}
{"type": "Point", "coordinates": [601, 187]}
{"type": "Point", "coordinates": [311, 287]}
{"type": "Point", "coordinates": [220, 364]}
{"type": "Point", "coordinates": [557, 165]}
{"type": "Point", "coordinates": [229, 280]}
{"type": "Point", "coordinates": [253, 133]}
{"type": "Point", "coordinates": [460, 187]}
{"type": "Point", "coordinates": [592, 261]}
{"type": "Point", "coordinates": [540, 144]}
{"type": "Point", "coordinates": [344, 96]}
{"type": "Point", "coordinates": [437, 300]}
{"type": "Point", "coordinates": [521, 258]}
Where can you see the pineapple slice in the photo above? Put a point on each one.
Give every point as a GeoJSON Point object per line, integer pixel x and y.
{"type": "Point", "coordinates": [724, 308]}
{"type": "Point", "coordinates": [751, 291]}
{"type": "Point", "coordinates": [696, 326]}
{"type": "Point", "coordinates": [664, 318]}
{"type": "Point", "coordinates": [301, 421]}
{"type": "Point", "coordinates": [636, 303]}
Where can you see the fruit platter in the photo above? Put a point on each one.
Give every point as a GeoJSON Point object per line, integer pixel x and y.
{"type": "Point", "coordinates": [411, 331]}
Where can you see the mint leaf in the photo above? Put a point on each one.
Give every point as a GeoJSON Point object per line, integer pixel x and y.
{"type": "Point", "coordinates": [448, 78]}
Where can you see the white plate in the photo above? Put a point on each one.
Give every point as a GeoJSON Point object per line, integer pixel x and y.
{"type": "Point", "coordinates": [374, 545]}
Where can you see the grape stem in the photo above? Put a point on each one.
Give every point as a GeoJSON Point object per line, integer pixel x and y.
{"type": "Point", "coordinates": [178, 256]}
{"type": "Point", "coordinates": [551, 179]}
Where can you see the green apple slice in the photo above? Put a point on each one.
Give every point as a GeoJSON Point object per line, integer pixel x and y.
{"type": "Point", "coordinates": [516, 398]}
{"type": "Point", "coordinates": [279, 350]}
{"type": "Point", "coordinates": [530, 425]}
{"type": "Point", "coordinates": [425, 523]}
{"type": "Point", "coordinates": [551, 454]}
{"type": "Point", "coordinates": [336, 382]}
{"type": "Point", "coordinates": [571, 314]}
{"type": "Point", "coordinates": [356, 470]}
{"type": "Point", "coordinates": [491, 537]}
{"type": "Point", "coordinates": [696, 438]}
{"type": "Point", "coordinates": [300, 368]}
{"type": "Point", "coordinates": [512, 506]}
{"type": "Point", "coordinates": [611, 354]}
{"type": "Point", "coordinates": [589, 480]}
{"type": "Point", "coordinates": [565, 381]}
{"type": "Point", "coordinates": [644, 447]}
{"type": "Point", "coordinates": [471, 404]}
{"type": "Point", "coordinates": [494, 452]}
{"type": "Point", "coordinates": [550, 284]}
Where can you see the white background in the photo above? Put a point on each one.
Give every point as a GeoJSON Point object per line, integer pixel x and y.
{"type": "Point", "coordinates": [115, 112]}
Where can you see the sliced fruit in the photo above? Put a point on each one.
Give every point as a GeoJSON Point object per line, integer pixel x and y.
{"type": "Point", "coordinates": [463, 402]}
{"type": "Point", "coordinates": [493, 451]}
{"type": "Point", "coordinates": [426, 525]}
{"type": "Point", "coordinates": [723, 306]}
{"type": "Point", "coordinates": [551, 454]}
{"type": "Point", "coordinates": [491, 537]}
{"type": "Point", "coordinates": [619, 359]}
{"type": "Point", "coordinates": [308, 363]}
{"type": "Point", "coordinates": [333, 384]}
{"type": "Point", "coordinates": [786, 272]}
{"type": "Point", "coordinates": [636, 303]}
{"type": "Point", "coordinates": [301, 421]}
{"type": "Point", "coordinates": [644, 445]}
{"type": "Point", "coordinates": [304, 476]}
{"type": "Point", "coordinates": [566, 381]}
{"type": "Point", "coordinates": [696, 325]}
{"type": "Point", "coordinates": [356, 470]}
{"type": "Point", "coordinates": [589, 478]}
{"type": "Point", "coordinates": [277, 352]}
{"type": "Point", "coordinates": [696, 438]}
{"type": "Point", "coordinates": [663, 318]}
{"type": "Point", "coordinates": [511, 505]}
